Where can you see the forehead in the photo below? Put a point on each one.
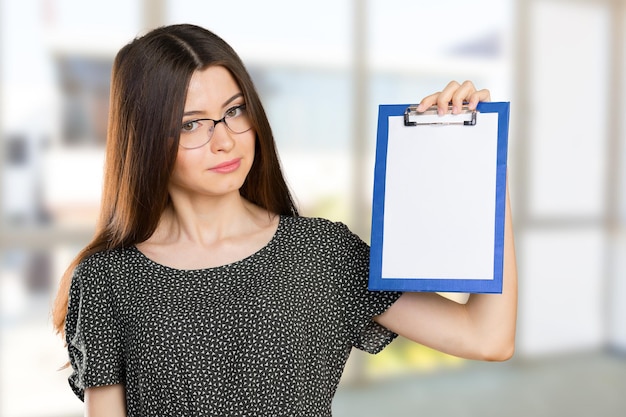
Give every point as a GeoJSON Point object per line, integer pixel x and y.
{"type": "Point", "coordinates": [210, 87]}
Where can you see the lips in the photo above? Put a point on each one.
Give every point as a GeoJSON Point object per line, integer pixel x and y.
{"type": "Point", "coordinates": [226, 167]}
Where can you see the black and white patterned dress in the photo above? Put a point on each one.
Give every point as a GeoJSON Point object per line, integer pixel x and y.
{"type": "Point", "coordinates": [265, 336]}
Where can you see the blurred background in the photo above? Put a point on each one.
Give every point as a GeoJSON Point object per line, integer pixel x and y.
{"type": "Point", "coordinates": [322, 68]}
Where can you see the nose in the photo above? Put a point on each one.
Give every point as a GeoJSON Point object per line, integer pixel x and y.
{"type": "Point", "coordinates": [221, 140]}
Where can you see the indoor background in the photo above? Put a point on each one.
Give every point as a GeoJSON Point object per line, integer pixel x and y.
{"type": "Point", "coordinates": [322, 68]}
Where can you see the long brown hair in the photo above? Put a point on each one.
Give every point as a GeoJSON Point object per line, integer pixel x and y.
{"type": "Point", "coordinates": [148, 90]}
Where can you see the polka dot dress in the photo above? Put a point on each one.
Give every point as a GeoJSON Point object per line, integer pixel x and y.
{"type": "Point", "coordinates": [265, 336]}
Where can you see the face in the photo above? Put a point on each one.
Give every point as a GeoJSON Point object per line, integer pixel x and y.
{"type": "Point", "coordinates": [221, 165]}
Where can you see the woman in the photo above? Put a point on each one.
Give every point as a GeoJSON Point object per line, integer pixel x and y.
{"type": "Point", "coordinates": [203, 292]}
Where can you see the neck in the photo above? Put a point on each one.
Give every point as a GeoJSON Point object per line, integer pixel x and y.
{"type": "Point", "coordinates": [206, 220]}
{"type": "Point", "coordinates": [209, 233]}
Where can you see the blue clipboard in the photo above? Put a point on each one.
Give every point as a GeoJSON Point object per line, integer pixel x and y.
{"type": "Point", "coordinates": [439, 200]}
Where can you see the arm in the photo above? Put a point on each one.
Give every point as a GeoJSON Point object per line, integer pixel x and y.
{"type": "Point", "coordinates": [105, 401]}
{"type": "Point", "coordinates": [484, 327]}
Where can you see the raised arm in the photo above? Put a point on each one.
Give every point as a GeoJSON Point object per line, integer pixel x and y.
{"type": "Point", "coordinates": [484, 327]}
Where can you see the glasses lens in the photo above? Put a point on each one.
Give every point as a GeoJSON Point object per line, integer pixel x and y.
{"type": "Point", "coordinates": [194, 136]}
{"type": "Point", "coordinates": [237, 119]}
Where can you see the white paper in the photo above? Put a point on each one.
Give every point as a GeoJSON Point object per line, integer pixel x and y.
{"type": "Point", "coordinates": [440, 200]}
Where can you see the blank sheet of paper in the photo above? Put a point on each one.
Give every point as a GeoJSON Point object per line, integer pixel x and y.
{"type": "Point", "coordinates": [440, 200]}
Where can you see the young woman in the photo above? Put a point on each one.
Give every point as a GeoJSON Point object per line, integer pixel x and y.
{"type": "Point", "coordinates": [203, 292]}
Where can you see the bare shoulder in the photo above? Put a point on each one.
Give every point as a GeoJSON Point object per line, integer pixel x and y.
{"type": "Point", "coordinates": [261, 217]}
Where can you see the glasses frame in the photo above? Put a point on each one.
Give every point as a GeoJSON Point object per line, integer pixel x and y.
{"type": "Point", "coordinates": [215, 123]}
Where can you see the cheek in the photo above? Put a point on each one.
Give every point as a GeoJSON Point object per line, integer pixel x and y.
{"type": "Point", "coordinates": [180, 169]}
{"type": "Point", "coordinates": [250, 142]}
{"type": "Point", "coordinates": [252, 146]}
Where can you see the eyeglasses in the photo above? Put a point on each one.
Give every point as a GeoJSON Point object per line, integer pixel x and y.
{"type": "Point", "coordinates": [235, 119]}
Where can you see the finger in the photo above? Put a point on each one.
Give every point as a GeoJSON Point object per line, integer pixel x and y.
{"type": "Point", "coordinates": [461, 96]}
{"type": "Point", "coordinates": [445, 97]}
{"type": "Point", "coordinates": [478, 96]}
{"type": "Point", "coordinates": [427, 102]}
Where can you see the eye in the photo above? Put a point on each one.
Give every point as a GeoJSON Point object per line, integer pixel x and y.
{"type": "Point", "coordinates": [235, 111]}
{"type": "Point", "coordinates": [190, 126]}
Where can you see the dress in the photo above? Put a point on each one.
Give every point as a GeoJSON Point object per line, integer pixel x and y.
{"type": "Point", "coordinates": [268, 335]}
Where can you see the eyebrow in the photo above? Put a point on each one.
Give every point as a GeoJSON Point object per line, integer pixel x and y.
{"type": "Point", "coordinates": [226, 103]}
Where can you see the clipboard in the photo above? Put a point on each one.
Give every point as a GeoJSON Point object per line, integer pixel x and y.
{"type": "Point", "coordinates": [439, 199]}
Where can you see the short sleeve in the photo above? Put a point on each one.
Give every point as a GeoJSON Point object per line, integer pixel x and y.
{"type": "Point", "coordinates": [362, 304]}
{"type": "Point", "coordinates": [92, 330]}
